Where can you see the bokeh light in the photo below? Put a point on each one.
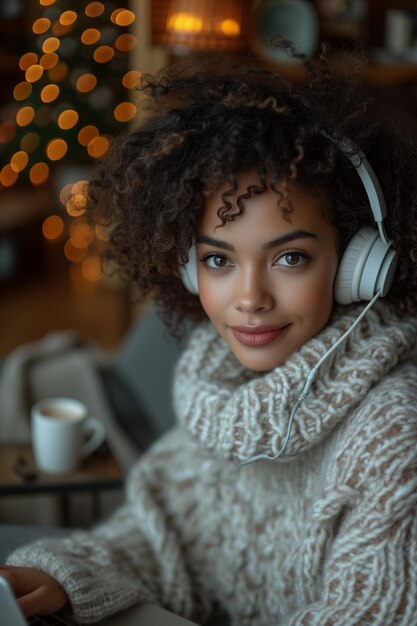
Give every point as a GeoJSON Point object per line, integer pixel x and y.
{"type": "Point", "coordinates": [125, 111]}
{"type": "Point", "coordinates": [131, 79]}
{"type": "Point", "coordinates": [41, 25]}
{"type": "Point", "coordinates": [53, 227]}
{"type": "Point", "coordinates": [94, 9]}
{"type": "Point", "coordinates": [56, 149]}
{"type": "Point", "coordinates": [90, 36]}
{"type": "Point", "coordinates": [98, 147]}
{"type": "Point", "coordinates": [82, 234]}
{"type": "Point", "coordinates": [68, 17]}
{"type": "Point", "coordinates": [51, 44]}
{"type": "Point", "coordinates": [8, 176]}
{"type": "Point", "coordinates": [72, 253]}
{"type": "Point", "coordinates": [67, 119]}
{"type": "Point", "coordinates": [28, 59]}
{"type": "Point", "coordinates": [86, 82]}
{"type": "Point", "coordinates": [49, 60]}
{"type": "Point", "coordinates": [39, 173]}
{"type": "Point", "coordinates": [101, 232]}
{"type": "Point", "coordinates": [34, 73]}
{"type": "Point", "coordinates": [126, 42]}
{"type": "Point", "coordinates": [49, 93]}
{"type": "Point", "coordinates": [25, 116]}
{"type": "Point", "coordinates": [46, 3]}
{"type": "Point", "coordinates": [123, 17]}
{"type": "Point", "coordinates": [91, 267]}
{"type": "Point", "coordinates": [103, 54]}
{"type": "Point", "coordinates": [185, 23]}
{"type": "Point", "coordinates": [230, 28]}
{"type": "Point", "coordinates": [87, 133]}
{"type": "Point", "coordinates": [22, 91]}
{"type": "Point", "coordinates": [19, 161]}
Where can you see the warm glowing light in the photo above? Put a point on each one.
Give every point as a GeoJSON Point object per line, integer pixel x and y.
{"type": "Point", "coordinates": [39, 173]}
{"type": "Point", "coordinates": [25, 116]}
{"type": "Point", "coordinates": [8, 176]}
{"type": "Point", "coordinates": [34, 73]}
{"type": "Point", "coordinates": [7, 131]}
{"type": "Point", "coordinates": [53, 227]}
{"type": "Point", "coordinates": [114, 15]}
{"type": "Point", "coordinates": [124, 17]}
{"type": "Point", "coordinates": [125, 111]}
{"type": "Point", "coordinates": [185, 23]}
{"type": "Point", "coordinates": [81, 233]}
{"type": "Point", "coordinates": [74, 254]}
{"type": "Point", "coordinates": [98, 147]}
{"type": "Point", "coordinates": [103, 54]}
{"type": "Point", "coordinates": [90, 36]}
{"type": "Point", "coordinates": [19, 161]}
{"type": "Point", "coordinates": [68, 17]}
{"type": "Point", "coordinates": [79, 203]}
{"type": "Point", "coordinates": [131, 79]}
{"type": "Point", "coordinates": [49, 93]}
{"type": "Point", "coordinates": [46, 3]}
{"type": "Point", "coordinates": [51, 44]}
{"type": "Point", "coordinates": [22, 91]}
{"type": "Point", "coordinates": [29, 142]}
{"type": "Point", "coordinates": [56, 149]}
{"type": "Point", "coordinates": [91, 268]}
{"type": "Point", "coordinates": [80, 187]}
{"type": "Point", "coordinates": [86, 83]}
{"type": "Point", "coordinates": [67, 119]}
{"type": "Point", "coordinates": [94, 9]}
{"type": "Point", "coordinates": [49, 60]}
{"type": "Point", "coordinates": [230, 28]}
{"type": "Point", "coordinates": [126, 42]}
{"type": "Point", "coordinates": [86, 134]}
{"type": "Point", "coordinates": [28, 59]}
{"type": "Point", "coordinates": [41, 25]}
{"type": "Point", "coordinates": [61, 29]}
{"type": "Point", "coordinates": [75, 197]}
{"type": "Point", "coordinates": [59, 72]}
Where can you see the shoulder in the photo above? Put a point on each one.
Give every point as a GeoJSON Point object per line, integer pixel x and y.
{"type": "Point", "coordinates": [379, 441]}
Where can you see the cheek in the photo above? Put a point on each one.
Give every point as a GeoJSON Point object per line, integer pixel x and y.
{"type": "Point", "coordinates": [211, 297]}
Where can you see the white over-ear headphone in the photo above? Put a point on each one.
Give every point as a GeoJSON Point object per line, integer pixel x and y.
{"type": "Point", "coordinates": [369, 262]}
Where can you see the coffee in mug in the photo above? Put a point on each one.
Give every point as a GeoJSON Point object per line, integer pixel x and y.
{"type": "Point", "coordinates": [63, 434]}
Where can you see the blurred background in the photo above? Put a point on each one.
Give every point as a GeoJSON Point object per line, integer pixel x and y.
{"type": "Point", "coordinates": [68, 72]}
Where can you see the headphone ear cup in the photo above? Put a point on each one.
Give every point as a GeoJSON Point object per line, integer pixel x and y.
{"type": "Point", "coordinates": [188, 272]}
{"type": "Point", "coordinates": [367, 267]}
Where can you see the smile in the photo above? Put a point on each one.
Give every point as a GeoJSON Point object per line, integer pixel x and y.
{"type": "Point", "coordinates": [258, 335]}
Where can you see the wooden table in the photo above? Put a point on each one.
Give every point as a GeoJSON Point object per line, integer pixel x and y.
{"type": "Point", "coordinates": [20, 476]}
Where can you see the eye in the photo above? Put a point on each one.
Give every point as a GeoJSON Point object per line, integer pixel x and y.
{"type": "Point", "coordinates": [292, 258]}
{"type": "Point", "coordinates": [216, 261]}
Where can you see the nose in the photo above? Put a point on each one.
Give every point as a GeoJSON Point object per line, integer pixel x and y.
{"type": "Point", "coordinates": [252, 292]}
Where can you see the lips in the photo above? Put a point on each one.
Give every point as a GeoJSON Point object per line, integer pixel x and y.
{"type": "Point", "coordinates": [255, 336]}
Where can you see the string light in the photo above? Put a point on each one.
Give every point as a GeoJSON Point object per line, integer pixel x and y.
{"type": "Point", "coordinates": [53, 227]}
{"type": "Point", "coordinates": [68, 103]}
{"type": "Point", "coordinates": [94, 9]}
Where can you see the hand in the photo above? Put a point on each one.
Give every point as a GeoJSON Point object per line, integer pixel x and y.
{"type": "Point", "coordinates": [36, 592]}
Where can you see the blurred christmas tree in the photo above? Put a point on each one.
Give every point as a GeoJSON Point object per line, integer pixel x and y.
{"type": "Point", "coordinates": [73, 93]}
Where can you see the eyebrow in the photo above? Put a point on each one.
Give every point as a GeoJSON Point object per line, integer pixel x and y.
{"type": "Point", "coordinates": [279, 241]}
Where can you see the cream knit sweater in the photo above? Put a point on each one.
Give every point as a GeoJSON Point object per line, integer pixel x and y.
{"type": "Point", "coordinates": [327, 537]}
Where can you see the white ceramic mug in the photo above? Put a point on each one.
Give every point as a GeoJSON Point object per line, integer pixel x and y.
{"type": "Point", "coordinates": [63, 434]}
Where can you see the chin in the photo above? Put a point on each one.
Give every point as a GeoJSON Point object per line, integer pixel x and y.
{"type": "Point", "coordinates": [258, 361]}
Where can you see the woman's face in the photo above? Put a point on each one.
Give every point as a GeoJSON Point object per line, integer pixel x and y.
{"type": "Point", "coordinates": [266, 283]}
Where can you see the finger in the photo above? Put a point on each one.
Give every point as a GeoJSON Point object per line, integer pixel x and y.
{"type": "Point", "coordinates": [40, 601]}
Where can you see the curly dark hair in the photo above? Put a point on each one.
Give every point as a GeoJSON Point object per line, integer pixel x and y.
{"type": "Point", "coordinates": [203, 126]}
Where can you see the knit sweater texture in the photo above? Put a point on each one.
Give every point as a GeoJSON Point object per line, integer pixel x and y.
{"type": "Point", "coordinates": [327, 536]}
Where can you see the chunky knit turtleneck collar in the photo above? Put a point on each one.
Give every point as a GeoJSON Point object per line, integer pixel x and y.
{"type": "Point", "coordinates": [237, 413]}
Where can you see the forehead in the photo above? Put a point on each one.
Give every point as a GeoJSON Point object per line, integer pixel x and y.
{"type": "Point", "coordinates": [263, 210]}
